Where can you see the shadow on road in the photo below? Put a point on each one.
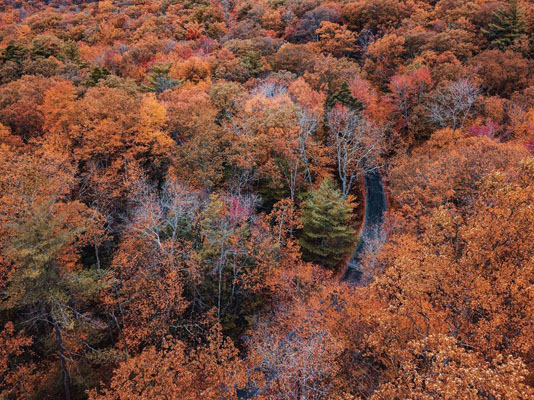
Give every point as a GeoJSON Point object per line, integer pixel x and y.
{"type": "Point", "coordinates": [375, 208]}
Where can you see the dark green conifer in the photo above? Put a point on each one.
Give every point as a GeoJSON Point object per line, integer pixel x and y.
{"type": "Point", "coordinates": [344, 97]}
{"type": "Point", "coordinates": [95, 75]}
{"type": "Point", "coordinates": [13, 52]}
{"type": "Point", "coordinates": [159, 79]}
{"type": "Point", "coordinates": [327, 236]}
{"type": "Point", "coordinates": [508, 25]}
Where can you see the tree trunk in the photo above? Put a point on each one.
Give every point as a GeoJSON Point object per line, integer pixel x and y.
{"type": "Point", "coordinates": [97, 257]}
{"type": "Point", "coordinates": [64, 372]}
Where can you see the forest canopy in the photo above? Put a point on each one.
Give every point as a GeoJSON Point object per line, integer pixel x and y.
{"type": "Point", "coordinates": [266, 199]}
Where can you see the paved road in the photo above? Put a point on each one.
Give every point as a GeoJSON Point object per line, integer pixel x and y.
{"type": "Point", "coordinates": [375, 207]}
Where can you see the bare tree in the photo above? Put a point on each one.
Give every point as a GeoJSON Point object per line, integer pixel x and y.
{"type": "Point", "coordinates": [299, 153]}
{"type": "Point", "coordinates": [451, 105]}
{"type": "Point", "coordinates": [165, 215]}
{"type": "Point", "coordinates": [224, 244]}
{"type": "Point", "coordinates": [357, 143]}
{"type": "Point", "coordinates": [298, 365]}
{"type": "Point", "coordinates": [366, 38]}
{"type": "Point", "coordinates": [307, 126]}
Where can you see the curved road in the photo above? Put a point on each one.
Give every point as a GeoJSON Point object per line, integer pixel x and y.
{"type": "Point", "coordinates": [375, 208]}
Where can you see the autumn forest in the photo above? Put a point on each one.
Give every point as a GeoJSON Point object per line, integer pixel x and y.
{"type": "Point", "coordinates": [266, 199]}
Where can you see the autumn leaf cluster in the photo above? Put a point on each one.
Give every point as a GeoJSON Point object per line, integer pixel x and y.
{"type": "Point", "coordinates": [183, 187]}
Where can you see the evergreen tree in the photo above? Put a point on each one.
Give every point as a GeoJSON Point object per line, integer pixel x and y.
{"type": "Point", "coordinates": [13, 52]}
{"type": "Point", "coordinates": [327, 236]}
{"type": "Point", "coordinates": [508, 25]}
{"type": "Point", "coordinates": [344, 97]}
{"type": "Point", "coordinates": [159, 79]}
{"type": "Point", "coordinates": [95, 75]}
{"type": "Point", "coordinates": [70, 51]}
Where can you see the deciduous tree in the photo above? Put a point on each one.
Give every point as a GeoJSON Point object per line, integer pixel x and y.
{"type": "Point", "coordinates": [356, 144]}
{"type": "Point", "coordinates": [210, 371]}
{"type": "Point", "coordinates": [451, 105]}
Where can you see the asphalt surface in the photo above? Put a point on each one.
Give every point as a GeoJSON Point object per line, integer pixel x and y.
{"type": "Point", "coordinates": [375, 208]}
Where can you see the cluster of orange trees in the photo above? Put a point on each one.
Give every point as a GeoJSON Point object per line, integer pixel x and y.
{"type": "Point", "coordinates": [181, 190]}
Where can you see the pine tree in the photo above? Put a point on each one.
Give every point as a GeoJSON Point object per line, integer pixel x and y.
{"type": "Point", "coordinates": [159, 79]}
{"type": "Point", "coordinates": [327, 236]}
{"type": "Point", "coordinates": [344, 97]}
{"type": "Point", "coordinates": [508, 25]}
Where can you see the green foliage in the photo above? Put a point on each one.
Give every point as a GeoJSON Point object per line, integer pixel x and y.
{"type": "Point", "coordinates": [45, 46]}
{"type": "Point", "coordinates": [327, 236]}
{"type": "Point", "coordinates": [14, 52]}
{"type": "Point", "coordinates": [344, 97]}
{"type": "Point", "coordinates": [507, 26]}
{"type": "Point", "coordinates": [38, 279]}
{"type": "Point", "coordinates": [231, 257]}
{"type": "Point", "coordinates": [252, 62]}
{"type": "Point", "coordinates": [220, 254]}
{"type": "Point", "coordinates": [159, 80]}
{"type": "Point", "coordinates": [70, 51]}
{"type": "Point", "coordinates": [95, 75]}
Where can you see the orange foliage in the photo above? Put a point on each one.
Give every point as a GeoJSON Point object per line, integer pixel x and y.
{"type": "Point", "coordinates": [158, 158]}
